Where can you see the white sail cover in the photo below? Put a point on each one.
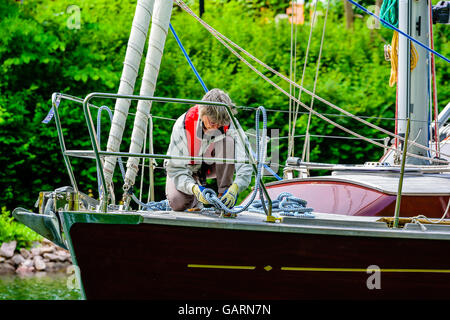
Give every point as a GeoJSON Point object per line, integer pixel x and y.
{"type": "Point", "coordinates": [160, 25]}
{"type": "Point", "coordinates": [133, 56]}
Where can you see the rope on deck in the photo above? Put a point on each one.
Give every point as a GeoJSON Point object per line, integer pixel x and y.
{"type": "Point", "coordinates": [285, 205]}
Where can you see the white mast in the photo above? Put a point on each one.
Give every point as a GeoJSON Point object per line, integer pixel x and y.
{"type": "Point", "coordinates": [413, 94]}
{"type": "Point", "coordinates": [158, 33]}
{"type": "Point", "coordinates": [133, 56]}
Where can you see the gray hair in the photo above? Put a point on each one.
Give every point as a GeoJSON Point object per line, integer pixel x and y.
{"type": "Point", "coordinates": [217, 114]}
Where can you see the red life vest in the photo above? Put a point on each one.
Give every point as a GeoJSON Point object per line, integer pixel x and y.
{"type": "Point", "coordinates": [190, 125]}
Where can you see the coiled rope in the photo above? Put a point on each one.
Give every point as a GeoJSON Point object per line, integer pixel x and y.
{"type": "Point", "coordinates": [389, 12]}
{"type": "Point", "coordinates": [393, 56]}
{"type": "Point", "coordinates": [286, 205]}
{"type": "Point", "coordinates": [211, 195]}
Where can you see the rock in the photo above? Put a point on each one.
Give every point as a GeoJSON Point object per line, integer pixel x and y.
{"type": "Point", "coordinates": [47, 249]}
{"type": "Point", "coordinates": [2, 259]}
{"type": "Point", "coordinates": [25, 253]}
{"type": "Point", "coordinates": [17, 259]}
{"type": "Point", "coordinates": [50, 266]}
{"type": "Point", "coordinates": [35, 251]}
{"type": "Point", "coordinates": [60, 265]}
{"type": "Point", "coordinates": [6, 268]}
{"type": "Point", "coordinates": [48, 242]}
{"type": "Point", "coordinates": [39, 264]}
{"type": "Point", "coordinates": [22, 270]}
{"type": "Point", "coordinates": [63, 255]}
{"type": "Point", "coordinates": [28, 263]}
{"type": "Point", "coordinates": [51, 256]}
{"type": "Point", "coordinates": [9, 261]}
{"type": "Point", "coordinates": [70, 269]}
{"type": "Point", "coordinates": [63, 252]}
{"type": "Point", "coordinates": [7, 249]}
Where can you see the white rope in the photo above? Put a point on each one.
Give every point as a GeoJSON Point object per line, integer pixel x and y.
{"type": "Point", "coordinates": [222, 39]}
{"type": "Point", "coordinates": [416, 218]}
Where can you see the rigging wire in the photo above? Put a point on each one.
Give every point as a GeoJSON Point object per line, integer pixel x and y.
{"type": "Point", "coordinates": [333, 114]}
{"type": "Point", "coordinates": [227, 43]}
{"type": "Point", "coordinates": [187, 57]}
{"type": "Point", "coordinates": [291, 144]}
{"type": "Point", "coordinates": [203, 84]}
{"type": "Point", "coordinates": [306, 145]}
{"type": "Point", "coordinates": [434, 89]}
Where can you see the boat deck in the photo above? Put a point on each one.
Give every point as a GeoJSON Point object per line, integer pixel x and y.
{"type": "Point", "coordinates": [321, 223]}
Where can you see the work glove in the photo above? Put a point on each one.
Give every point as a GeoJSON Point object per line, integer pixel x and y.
{"type": "Point", "coordinates": [198, 192]}
{"type": "Point", "coordinates": [230, 195]}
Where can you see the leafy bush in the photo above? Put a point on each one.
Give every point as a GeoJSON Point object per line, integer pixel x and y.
{"type": "Point", "coordinates": [11, 230]}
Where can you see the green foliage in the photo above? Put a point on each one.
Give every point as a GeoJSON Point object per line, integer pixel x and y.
{"type": "Point", "coordinates": [11, 230]}
{"type": "Point", "coordinates": [40, 54]}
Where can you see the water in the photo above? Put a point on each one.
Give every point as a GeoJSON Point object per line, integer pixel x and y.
{"type": "Point", "coordinates": [44, 286]}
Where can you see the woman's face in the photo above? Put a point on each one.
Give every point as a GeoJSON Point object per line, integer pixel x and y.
{"type": "Point", "coordinates": [210, 125]}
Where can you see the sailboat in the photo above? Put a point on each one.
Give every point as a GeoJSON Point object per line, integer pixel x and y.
{"type": "Point", "coordinates": [372, 233]}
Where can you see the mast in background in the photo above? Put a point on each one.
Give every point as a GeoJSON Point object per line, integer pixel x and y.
{"type": "Point", "coordinates": [413, 85]}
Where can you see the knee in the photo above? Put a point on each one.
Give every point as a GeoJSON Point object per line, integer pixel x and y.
{"type": "Point", "coordinates": [180, 202]}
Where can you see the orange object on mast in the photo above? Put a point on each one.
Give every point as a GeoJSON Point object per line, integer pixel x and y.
{"type": "Point", "coordinates": [295, 11]}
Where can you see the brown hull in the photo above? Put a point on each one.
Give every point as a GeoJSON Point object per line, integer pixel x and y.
{"type": "Point", "coordinates": [154, 261]}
